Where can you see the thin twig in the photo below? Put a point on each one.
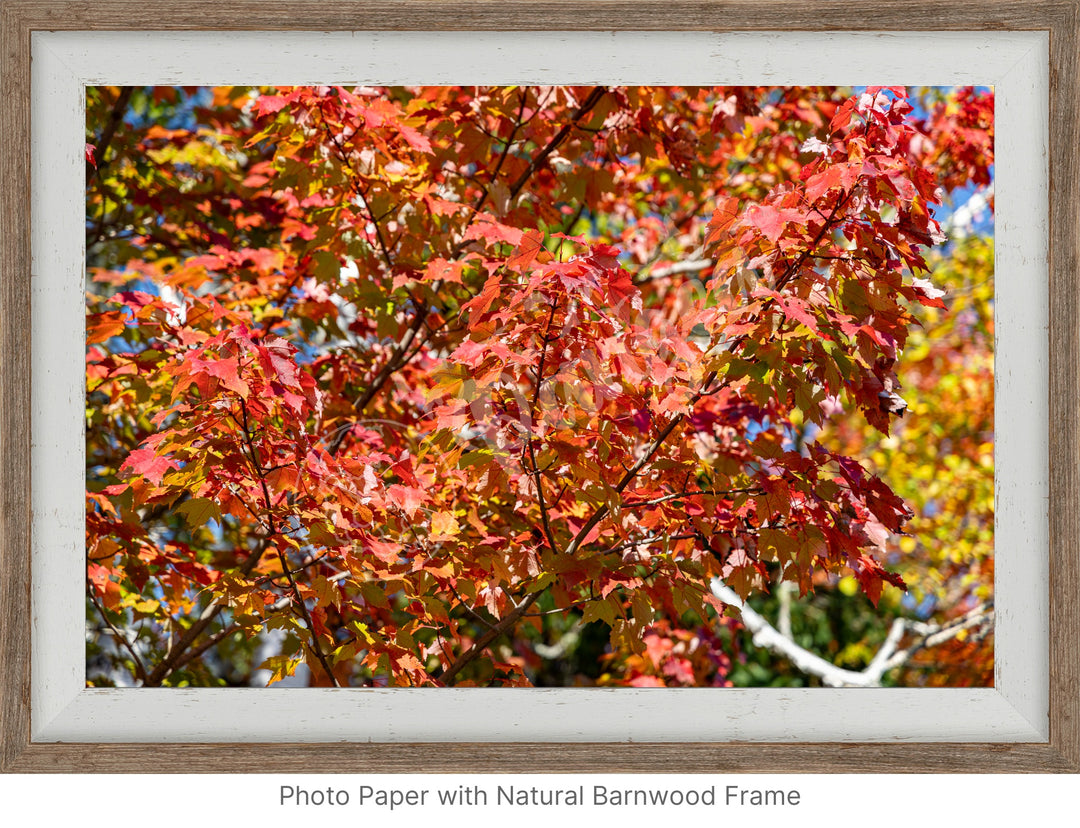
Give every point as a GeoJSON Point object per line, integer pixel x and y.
{"type": "Point", "coordinates": [536, 473]}
{"type": "Point", "coordinates": [680, 495]}
{"type": "Point", "coordinates": [502, 158]}
{"type": "Point", "coordinates": [647, 541]}
{"type": "Point", "coordinates": [212, 641]}
{"type": "Point", "coordinates": [302, 606]}
{"type": "Point", "coordinates": [140, 670]}
{"type": "Point", "coordinates": [487, 638]}
{"type": "Point", "coordinates": [560, 136]}
{"type": "Point", "coordinates": [212, 610]}
{"type": "Point", "coordinates": [116, 115]}
{"type": "Point", "coordinates": [473, 614]}
{"type": "Point", "coordinates": [633, 471]}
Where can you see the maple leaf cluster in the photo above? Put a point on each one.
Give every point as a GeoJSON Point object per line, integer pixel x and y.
{"type": "Point", "coordinates": [411, 385]}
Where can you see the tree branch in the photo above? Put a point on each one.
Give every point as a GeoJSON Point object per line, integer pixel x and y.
{"type": "Point", "coordinates": [212, 641]}
{"type": "Point", "coordinates": [633, 471]}
{"type": "Point", "coordinates": [560, 136]}
{"type": "Point", "coordinates": [689, 266]}
{"type": "Point", "coordinates": [302, 606]}
{"type": "Point", "coordinates": [116, 115]}
{"type": "Point", "coordinates": [646, 541]}
{"type": "Point", "coordinates": [785, 593]}
{"type": "Point", "coordinates": [887, 658]}
{"type": "Point", "coordinates": [536, 473]}
{"type": "Point", "coordinates": [473, 614]}
{"type": "Point", "coordinates": [297, 597]}
{"type": "Point", "coordinates": [481, 644]}
{"type": "Point", "coordinates": [518, 123]}
{"type": "Point", "coordinates": [176, 651]}
{"type": "Point", "coordinates": [680, 495]}
{"type": "Point", "coordinates": [175, 656]}
{"type": "Point", "coordinates": [140, 670]}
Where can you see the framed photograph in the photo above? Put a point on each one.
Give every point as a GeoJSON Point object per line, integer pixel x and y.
{"type": "Point", "coordinates": [457, 387]}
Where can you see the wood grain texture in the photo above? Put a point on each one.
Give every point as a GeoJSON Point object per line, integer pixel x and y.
{"type": "Point", "coordinates": [1064, 388]}
{"type": "Point", "coordinates": [543, 15]}
{"type": "Point", "coordinates": [14, 386]}
{"type": "Point", "coordinates": [18, 18]}
{"type": "Point", "coordinates": [544, 758]}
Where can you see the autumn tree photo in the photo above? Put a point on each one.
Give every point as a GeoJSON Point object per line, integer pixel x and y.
{"type": "Point", "coordinates": [539, 386]}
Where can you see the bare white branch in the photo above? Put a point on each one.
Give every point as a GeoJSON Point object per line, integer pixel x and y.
{"type": "Point", "coordinates": [888, 657]}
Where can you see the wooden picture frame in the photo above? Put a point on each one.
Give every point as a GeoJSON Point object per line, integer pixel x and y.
{"type": "Point", "coordinates": [1060, 19]}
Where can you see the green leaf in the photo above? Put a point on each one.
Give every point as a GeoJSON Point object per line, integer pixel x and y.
{"type": "Point", "coordinates": [280, 666]}
{"type": "Point", "coordinates": [374, 594]}
{"type": "Point", "coordinates": [327, 592]}
{"type": "Point", "coordinates": [325, 266]}
{"type": "Point", "coordinates": [198, 510]}
{"type": "Point", "coordinates": [602, 610]}
{"type": "Point", "coordinates": [543, 581]}
{"type": "Point", "coordinates": [475, 458]}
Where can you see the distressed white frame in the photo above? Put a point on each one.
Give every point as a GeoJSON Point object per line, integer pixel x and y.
{"type": "Point", "coordinates": [1015, 710]}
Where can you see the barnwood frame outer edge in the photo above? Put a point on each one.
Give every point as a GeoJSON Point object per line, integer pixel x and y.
{"type": "Point", "coordinates": [1061, 18]}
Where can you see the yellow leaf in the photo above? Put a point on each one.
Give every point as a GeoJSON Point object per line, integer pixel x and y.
{"type": "Point", "coordinates": [444, 525]}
